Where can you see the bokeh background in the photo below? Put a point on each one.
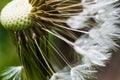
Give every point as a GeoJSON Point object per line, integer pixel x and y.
{"type": "Point", "coordinates": [9, 56]}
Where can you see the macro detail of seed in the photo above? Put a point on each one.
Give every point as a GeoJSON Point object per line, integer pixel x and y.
{"type": "Point", "coordinates": [15, 15]}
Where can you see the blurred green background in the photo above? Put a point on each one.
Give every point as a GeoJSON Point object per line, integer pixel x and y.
{"type": "Point", "coordinates": [8, 51]}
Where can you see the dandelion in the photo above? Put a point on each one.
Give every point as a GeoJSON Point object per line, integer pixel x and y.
{"type": "Point", "coordinates": [33, 22]}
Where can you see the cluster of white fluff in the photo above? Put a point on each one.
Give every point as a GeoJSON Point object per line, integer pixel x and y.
{"type": "Point", "coordinates": [95, 47]}
{"type": "Point", "coordinates": [13, 72]}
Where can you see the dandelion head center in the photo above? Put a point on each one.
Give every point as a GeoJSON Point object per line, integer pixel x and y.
{"type": "Point", "coordinates": [15, 15]}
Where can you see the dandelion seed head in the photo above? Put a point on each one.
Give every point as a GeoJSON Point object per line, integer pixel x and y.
{"type": "Point", "coordinates": [15, 15]}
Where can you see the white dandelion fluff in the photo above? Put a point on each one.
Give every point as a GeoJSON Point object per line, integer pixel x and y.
{"type": "Point", "coordinates": [12, 72]}
{"type": "Point", "coordinates": [79, 21]}
{"type": "Point", "coordinates": [61, 76]}
{"type": "Point", "coordinates": [96, 46]}
{"type": "Point", "coordinates": [97, 9]}
{"type": "Point", "coordinates": [81, 72]}
{"type": "Point", "coordinates": [92, 7]}
{"type": "Point", "coordinates": [92, 53]}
